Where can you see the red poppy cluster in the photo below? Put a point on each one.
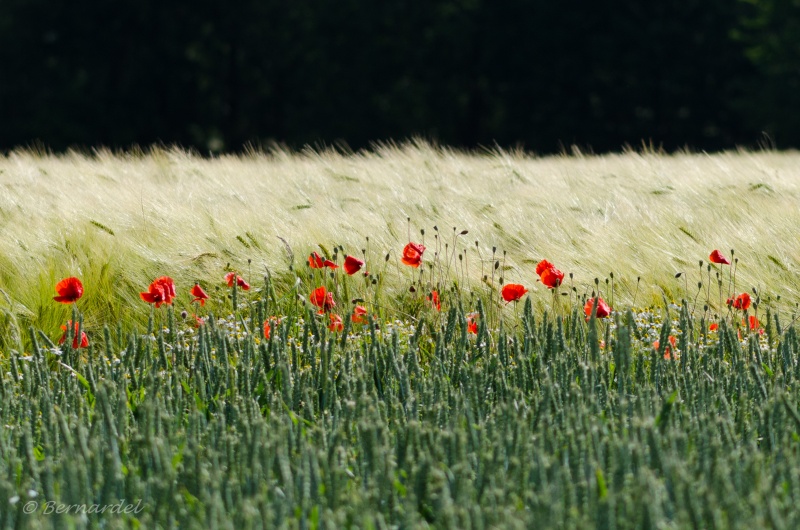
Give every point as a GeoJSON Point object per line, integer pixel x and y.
{"type": "Point", "coordinates": [315, 261]}
{"type": "Point", "coordinates": [668, 355]}
{"type": "Point", "coordinates": [751, 323]}
{"type": "Point", "coordinates": [162, 291]}
{"type": "Point", "coordinates": [351, 263]}
{"type": "Point", "coordinates": [323, 299]}
{"type": "Point", "coordinates": [233, 277]}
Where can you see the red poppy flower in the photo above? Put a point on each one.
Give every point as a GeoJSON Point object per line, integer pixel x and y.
{"type": "Point", "coordinates": [713, 327]}
{"type": "Point", "coordinates": [199, 294]}
{"type": "Point", "coordinates": [359, 315]}
{"type": "Point", "coordinates": [198, 321]}
{"type": "Point", "coordinates": [667, 350]}
{"type": "Point", "coordinates": [717, 257]}
{"type": "Point", "coordinates": [161, 291]}
{"type": "Point", "coordinates": [513, 292]}
{"type": "Point", "coordinates": [433, 298]}
{"type": "Point", "coordinates": [740, 302]}
{"type": "Point", "coordinates": [552, 278]}
{"type": "Point", "coordinates": [318, 296]}
{"type": "Point", "coordinates": [412, 254]}
{"type": "Point", "coordinates": [754, 323]}
{"type": "Point", "coordinates": [322, 299]}
{"type": "Point", "coordinates": [603, 310]}
{"type": "Point", "coordinates": [84, 343]}
{"type": "Point", "coordinates": [239, 281]}
{"type": "Point", "coordinates": [336, 323]}
{"type": "Point", "coordinates": [269, 325]}
{"type": "Point", "coordinates": [472, 323]}
{"type": "Point", "coordinates": [352, 265]}
{"type": "Point", "coordinates": [69, 290]}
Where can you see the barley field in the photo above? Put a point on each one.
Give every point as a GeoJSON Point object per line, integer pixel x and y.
{"type": "Point", "coordinates": [123, 219]}
{"type": "Point", "coordinates": [563, 353]}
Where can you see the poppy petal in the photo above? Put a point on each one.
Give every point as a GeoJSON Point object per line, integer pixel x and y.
{"type": "Point", "coordinates": [717, 257]}
{"type": "Point", "coordinates": [150, 298]}
{"type": "Point", "coordinates": [542, 265]}
{"type": "Point", "coordinates": [315, 261]}
{"type": "Point", "coordinates": [352, 265]}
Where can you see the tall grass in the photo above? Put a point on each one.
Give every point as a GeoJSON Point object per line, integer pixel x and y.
{"type": "Point", "coordinates": [119, 220]}
{"type": "Point", "coordinates": [538, 427]}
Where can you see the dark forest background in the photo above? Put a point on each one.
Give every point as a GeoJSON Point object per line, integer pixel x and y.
{"type": "Point", "coordinates": [215, 76]}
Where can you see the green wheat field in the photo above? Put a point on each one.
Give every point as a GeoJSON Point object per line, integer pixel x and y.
{"type": "Point", "coordinates": [274, 389]}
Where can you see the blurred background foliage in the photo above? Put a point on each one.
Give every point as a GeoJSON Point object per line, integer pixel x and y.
{"type": "Point", "coordinates": [703, 74]}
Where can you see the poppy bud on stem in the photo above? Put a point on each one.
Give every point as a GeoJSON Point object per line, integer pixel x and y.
{"type": "Point", "coordinates": [611, 274]}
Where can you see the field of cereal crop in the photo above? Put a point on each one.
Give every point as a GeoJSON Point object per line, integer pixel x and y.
{"type": "Point", "coordinates": [406, 338]}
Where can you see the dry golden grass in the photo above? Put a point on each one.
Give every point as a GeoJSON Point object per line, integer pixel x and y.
{"type": "Point", "coordinates": [117, 221]}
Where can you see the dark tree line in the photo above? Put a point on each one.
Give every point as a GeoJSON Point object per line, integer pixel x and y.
{"type": "Point", "coordinates": [707, 74]}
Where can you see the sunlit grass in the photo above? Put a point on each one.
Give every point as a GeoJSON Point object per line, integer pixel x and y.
{"type": "Point", "coordinates": [118, 221]}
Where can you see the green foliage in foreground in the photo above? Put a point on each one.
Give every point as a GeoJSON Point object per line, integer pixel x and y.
{"type": "Point", "coordinates": [535, 428]}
